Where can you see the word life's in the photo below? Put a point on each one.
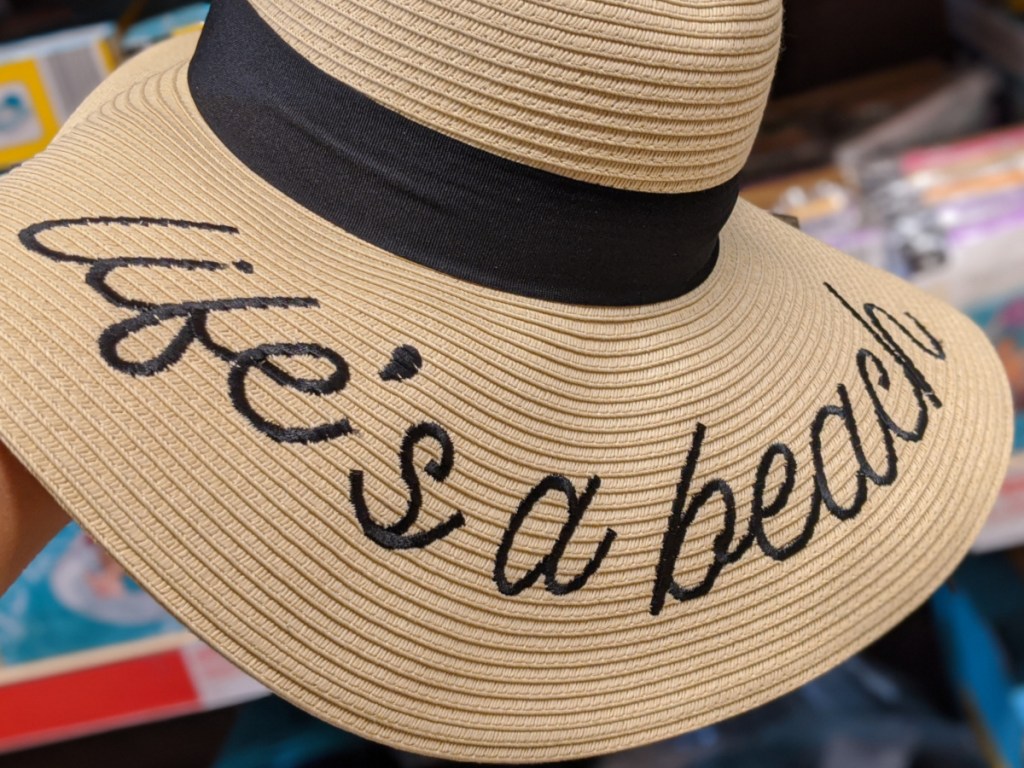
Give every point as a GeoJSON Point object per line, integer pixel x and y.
{"type": "Point", "coordinates": [891, 367]}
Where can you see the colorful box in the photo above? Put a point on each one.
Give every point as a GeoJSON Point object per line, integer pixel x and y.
{"type": "Point", "coordinates": [43, 79]}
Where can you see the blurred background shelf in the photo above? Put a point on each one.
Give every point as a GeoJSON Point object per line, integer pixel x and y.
{"type": "Point", "coordinates": [990, 30]}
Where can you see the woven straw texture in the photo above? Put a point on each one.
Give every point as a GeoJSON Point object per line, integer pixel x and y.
{"type": "Point", "coordinates": [255, 546]}
{"type": "Point", "coordinates": [658, 96]}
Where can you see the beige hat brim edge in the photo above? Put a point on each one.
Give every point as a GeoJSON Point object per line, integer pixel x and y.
{"type": "Point", "coordinates": [238, 542]}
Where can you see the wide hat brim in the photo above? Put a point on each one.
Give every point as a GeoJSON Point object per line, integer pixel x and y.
{"type": "Point", "coordinates": [178, 461]}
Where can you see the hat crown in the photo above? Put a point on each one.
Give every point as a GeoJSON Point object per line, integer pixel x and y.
{"type": "Point", "coordinates": [648, 95]}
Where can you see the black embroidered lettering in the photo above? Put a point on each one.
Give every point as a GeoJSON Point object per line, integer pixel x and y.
{"type": "Point", "coordinates": [405, 363]}
{"type": "Point", "coordinates": [98, 274]}
{"type": "Point", "coordinates": [934, 347]}
{"type": "Point", "coordinates": [548, 565]}
{"type": "Point", "coordinates": [195, 315]}
{"type": "Point", "coordinates": [913, 372]}
{"type": "Point", "coordinates": [256, 357]}
{"type": "Point", "coordinates": [893, 335]}
{"type": "Point", "coordinates": [886, 340]}
{"type": "Point", "coordinates": [867, 469]}
{"type": "Point", "coordinates": [680, 520]}
{"type": "Point", "coordinates": [112, 336]}
{"type": "Point", "coordinates": [914, 435]}
{"type": "Point", "coordinates": [759, 512]}
{"type": "Point", "coordinates": [29, 236]}
{"type": "Point", "coordinates": [394, 536]}
{"type": "Point", "coordinates": [821, 477]}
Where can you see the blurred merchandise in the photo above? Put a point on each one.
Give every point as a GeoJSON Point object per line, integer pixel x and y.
{"type": "Point", "coordinates": [272, 733]}
{"type": "Point", "coordinates": [24, 18]}
{"type": "Point", "coordinates": [981, 621]}
{"type": "Point", "coordinates": [802, 131]}
{"type": "Point", "coordinates": [961, 107]}
{"type": "Point", "coordinates": [862, 714]}
{"type": "Point", "coordinates": [74, 626]}
{"type": "Point", "coordinates": [990, 28]}
{"type": "Point", "coordinates": [43, 79]}
{"type": "Point", "coordinates": [74, 597]}
{"type": "Point", "coordinates": [955, 215]}
{"type": "Point", "coordinates": [156, 28]}
{"type": "Point", "coordinates": [829, 41]}
{"type": "Point", "coordinates": [828, 211]}
{"type": "Point", "coordinates": [949, 217]}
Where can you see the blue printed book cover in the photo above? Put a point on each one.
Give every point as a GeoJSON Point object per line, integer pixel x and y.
{"type": "Point", "coordinates": [74, 598]}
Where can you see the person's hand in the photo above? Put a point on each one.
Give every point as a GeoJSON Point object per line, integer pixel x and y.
{"type": "Point", "coordinates": [29, 517]}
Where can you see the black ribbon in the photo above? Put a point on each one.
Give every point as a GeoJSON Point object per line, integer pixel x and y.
{"type": "Point", "coordinates": [437, 201]}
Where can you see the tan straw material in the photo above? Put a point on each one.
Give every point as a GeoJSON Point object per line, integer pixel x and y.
{"type": "Point", "coordinates": [256, 545]}
{"type": "Point", "coordinates": [659, 96]}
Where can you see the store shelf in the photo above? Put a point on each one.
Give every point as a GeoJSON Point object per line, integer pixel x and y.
{"type": "Point", "coordinates": [90, 693]}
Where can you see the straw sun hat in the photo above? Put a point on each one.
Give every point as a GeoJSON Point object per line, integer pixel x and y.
{"type": "Point", "coordinates": [419, 356]}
